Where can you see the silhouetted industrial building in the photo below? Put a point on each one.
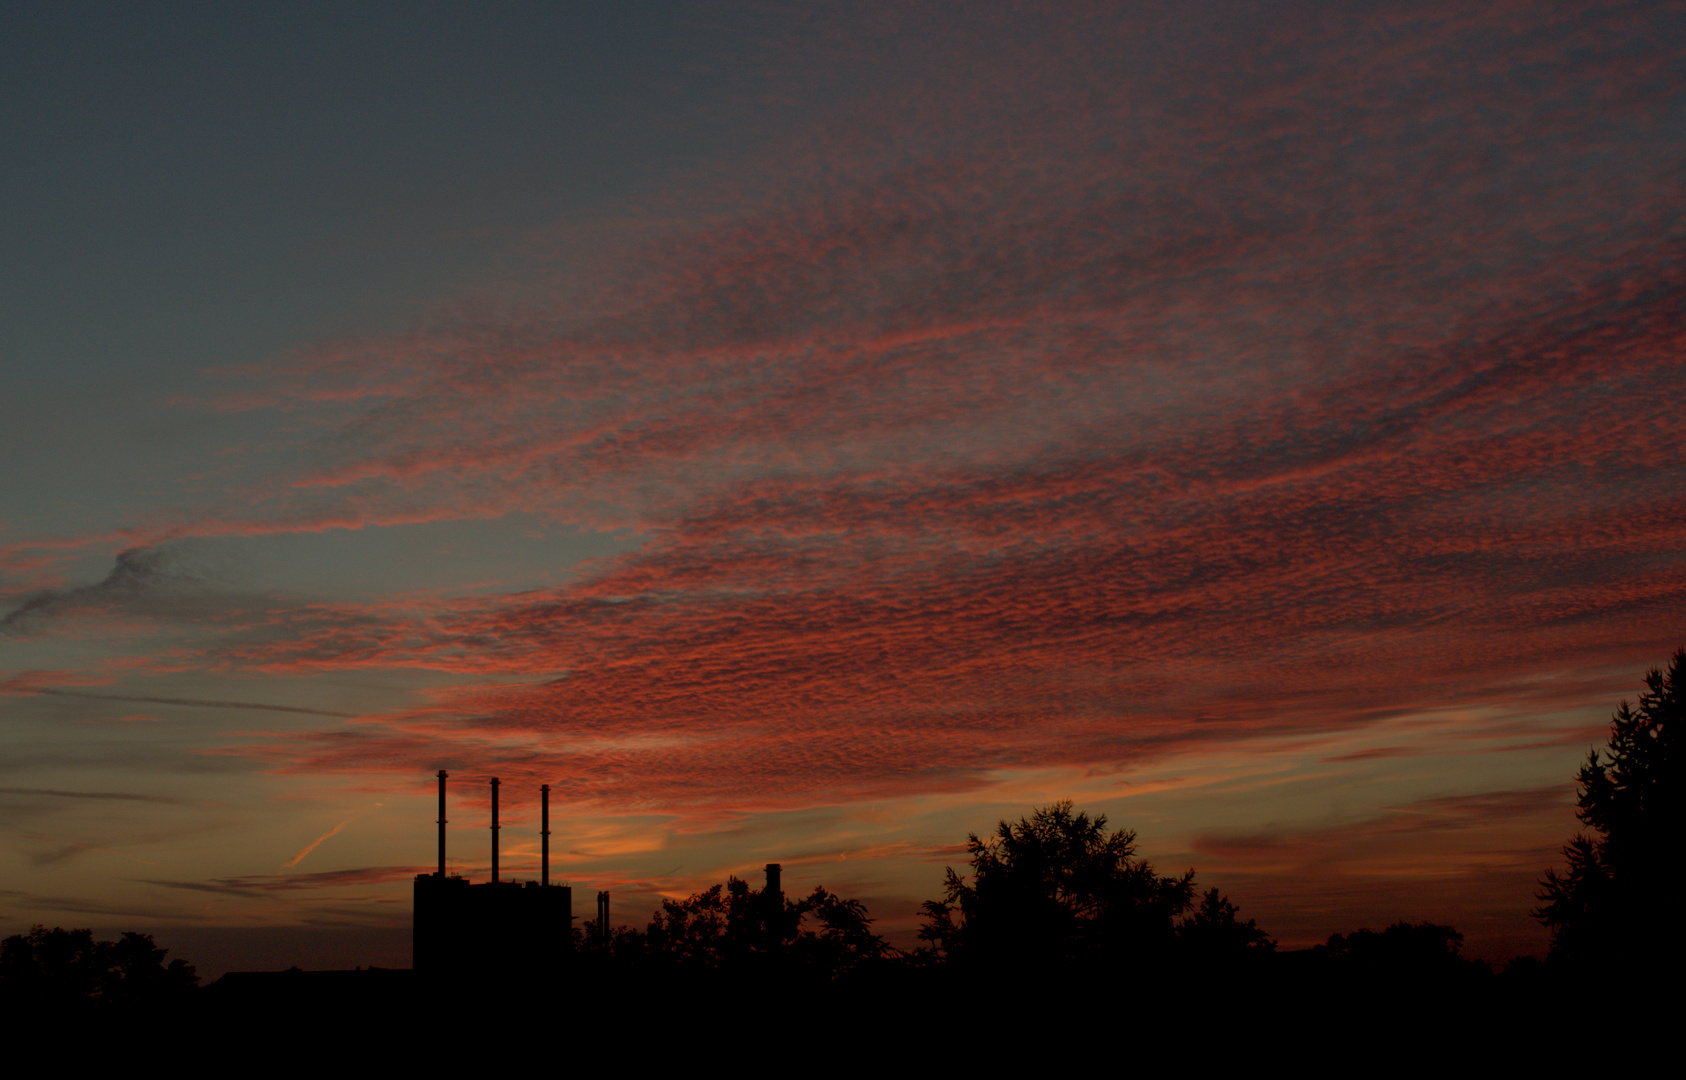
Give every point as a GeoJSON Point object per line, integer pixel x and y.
{"type": "Point", "coordinates": [501, 927]}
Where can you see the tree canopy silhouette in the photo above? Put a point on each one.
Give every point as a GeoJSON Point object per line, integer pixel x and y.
{"type": "Point", "coordinates": [1611, 904]}
{"type": "Point", "coordinates": [1057, 888]}
{"type": "Point", "coordinates": [1415, 952]}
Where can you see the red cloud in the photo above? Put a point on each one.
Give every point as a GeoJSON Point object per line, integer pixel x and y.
{"type": "Point", "coordinates": [1300, 374]}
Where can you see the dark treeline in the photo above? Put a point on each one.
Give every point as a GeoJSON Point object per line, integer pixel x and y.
{"type": "Point", "coordinates": [1055, 899]}
{"type": "Point", "coordinates": [61, 972]}
{"type": "Point", "coordinates": [1050, 910]}
{"type": "Point", "coordinates": [1057, 892]}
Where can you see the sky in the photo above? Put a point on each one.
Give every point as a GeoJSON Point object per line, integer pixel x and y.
{"type": "Point", "coordinates": [812, 433]}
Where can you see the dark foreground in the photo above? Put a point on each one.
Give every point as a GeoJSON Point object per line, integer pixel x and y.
{"type": "Point", "coordinates": [1280, 1008]}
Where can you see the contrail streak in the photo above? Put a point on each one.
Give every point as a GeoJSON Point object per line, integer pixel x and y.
{"type": "Point", "coordinates": [310, 847]}
{"type": "Point", "coordinates": [194, 701]}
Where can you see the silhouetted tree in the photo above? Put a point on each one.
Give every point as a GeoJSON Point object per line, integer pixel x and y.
{"type": "Point", "coordinates": [1213, 932]}
{"type": "Point", "coordinates": [136, 972]}
{"type": "Point", "coordinates": [1613, 902]}
{"type": "Point", "coordinates": [1418, 961]}
{"type": "Point", "coordinates": [733, 927]}
{"type": "Point", "coordinates": [1053, 889]}
{"type": "Point", "coordinates": [721, 925]}
{"type": "Point", "coordinates": [54, 968]}
{"type": "Point", "coordinates": [843, 943]}
{"type": "Point", "coordinates": [1423, 948]}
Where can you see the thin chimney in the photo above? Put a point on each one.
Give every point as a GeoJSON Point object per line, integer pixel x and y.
{"type": "Point", "coordinates": [494, 830]}
{"type": "Point", "coordinates": [544, 834]}
{"type": "Point", "coordinates": [442, 775]}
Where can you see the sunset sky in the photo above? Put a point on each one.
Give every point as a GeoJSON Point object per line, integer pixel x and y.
{"type": "Point", "coordinates": [813, 432]}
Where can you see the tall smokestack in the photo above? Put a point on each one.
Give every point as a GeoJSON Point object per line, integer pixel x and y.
{"type": "Point", "coordinates": [544, 834]}
{"type": "Point", "coordinates": [494, 830]}
{"type": "Point", "coordinates": [603, 917]}
{"type": "Point", "coordinates": [442, 775]}
{"type": "Point", "coordinates": [773, 882]}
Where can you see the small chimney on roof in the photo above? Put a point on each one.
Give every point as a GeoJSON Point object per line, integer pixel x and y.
{"type": "Point", "coordinates": [772, 899]}
{"type": "Point", "coordinates": [494, 830]}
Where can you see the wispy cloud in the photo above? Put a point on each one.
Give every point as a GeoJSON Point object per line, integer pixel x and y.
{"type": "Point", "coordinates": [120, 796]}
{"type": "Point", "coordinates": [255, 886]}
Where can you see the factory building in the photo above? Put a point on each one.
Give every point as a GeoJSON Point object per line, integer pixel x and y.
{"type": "Point", "coordinates": [505, 928]}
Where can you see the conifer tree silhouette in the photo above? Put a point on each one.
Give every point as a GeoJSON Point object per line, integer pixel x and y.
{"type": "Point", "coordinates": [1611, 904]}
